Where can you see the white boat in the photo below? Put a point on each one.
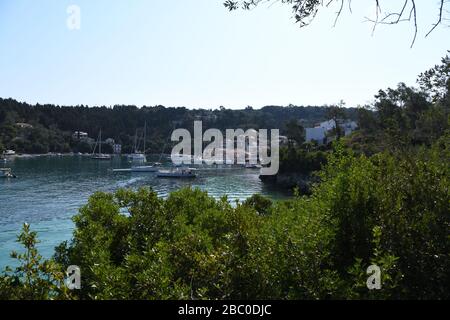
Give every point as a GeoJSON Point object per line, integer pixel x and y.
{"type": "Point", "coordinates": [6, 173]}
{"type": "Point", "coordinates": [121, 170]}
{"type": "Point", "coordinates": [181, 173]}
{"type": "Point", "coordinates": [144, 169]}
{"type": "Point", "coordinates": [9, 153]}
{"type": "Point", "coordinates": [99, 155]}
{"type": "Point", "coordinates": [138, 156]}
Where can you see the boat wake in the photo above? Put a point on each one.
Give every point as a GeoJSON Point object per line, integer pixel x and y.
{"type": "Point", "coordinates": [127, 183]}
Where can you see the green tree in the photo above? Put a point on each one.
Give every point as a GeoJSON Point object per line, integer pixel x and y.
{"type": "Point", "coordinates": [34, 278]}
{"type": "Point", "coordinates": [295, 132]}
{"type": "Point", "coordinates": [337, 114]}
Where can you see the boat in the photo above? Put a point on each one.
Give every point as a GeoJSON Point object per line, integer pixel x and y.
{"type": "Point", "coordinates": [144, 169]}
{"type": "Point", "coordinates": [138, 156]}
{"type": "Point", "coordinates": [121, 170]}
{"type": "Point", "coordinates": [181, 173]}
{"type": "Point", "coordinates": [9, 153]}
{"type": "Point", "coordinates": [253, 166]}
{"type": "Point", "coordinates": [99, 155]}
{"type": "Point", "coordinates": [6, 173]}
{"type": "Point", "coordinates": [149, 168]}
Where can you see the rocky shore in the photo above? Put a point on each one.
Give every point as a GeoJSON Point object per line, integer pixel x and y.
{"type": "Point", "coordinates": [291, 181]}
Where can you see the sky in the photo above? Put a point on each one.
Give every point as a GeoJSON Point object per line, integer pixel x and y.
{"type": "Point", "coordinates": [194, 53]}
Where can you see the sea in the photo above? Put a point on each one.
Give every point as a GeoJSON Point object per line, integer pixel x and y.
{"type": "Point", "coordinates": [49, 190]}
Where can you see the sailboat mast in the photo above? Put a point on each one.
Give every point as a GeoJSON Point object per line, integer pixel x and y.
{"type": "Point", "coordinates": [100, 142]}
{"type": "Point", "coordinates": [145, 134]}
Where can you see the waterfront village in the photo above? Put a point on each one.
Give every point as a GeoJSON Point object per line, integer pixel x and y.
{"type": "Point", "coordinates": [320, 134]}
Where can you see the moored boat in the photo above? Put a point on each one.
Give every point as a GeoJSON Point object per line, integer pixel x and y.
{"type": "Point", "coordinates": [137, 157]}
{"type": "Point", "coordinates": [180, 173]}
{"type": "Point", "coordinates": [144, 169]}
{"type": "Point", "coordinates": [9, 153]}
{"type": "Point", "coordinates": [253, 166]}
{"type": "Point", "coordinates": [99, 155]}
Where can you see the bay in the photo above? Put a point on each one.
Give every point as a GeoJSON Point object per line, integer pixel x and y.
{"type": "Point", "coordinates": [49, 191]}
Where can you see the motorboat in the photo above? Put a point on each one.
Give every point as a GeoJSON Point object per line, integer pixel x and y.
{"type": "Point", "coordinates": [6, 173]}
{"type": "Point", "coordinates": [9, 153]}
{"type": "Point", "coordinates": [180, 173]}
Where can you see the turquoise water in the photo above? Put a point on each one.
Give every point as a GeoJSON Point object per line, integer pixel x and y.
{"type": "Point", "coordinates": [50, 190]}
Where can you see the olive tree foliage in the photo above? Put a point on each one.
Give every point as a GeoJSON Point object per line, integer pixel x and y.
{"type": "Point", "coordinates": [33, 278]}
{"type": "Point", "coordinates": [306, 10]}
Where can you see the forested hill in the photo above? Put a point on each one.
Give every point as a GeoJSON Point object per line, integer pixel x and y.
{"type": "Point", "coordinates": [48, 128]}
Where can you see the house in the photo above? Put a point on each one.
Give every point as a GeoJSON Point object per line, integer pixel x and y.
{"type": "Point", "coordinates": [328, 125]}
{"type": "Point", "coordinates": [24, 125]}
{"type": "Point", "coordinates": [283, 140]}
{"type": "Point", "coordinates": [349, 127]}
{"type": "Point", "coordinates": [79, 135]}
{"type": "Point", "coordinates": [319, 132]}
{"type": "Point", "coordinates": [117, 148]}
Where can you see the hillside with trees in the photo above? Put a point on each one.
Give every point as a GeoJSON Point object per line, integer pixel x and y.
{"type": "Point", "coordinates": [400, 119]}
{"type": "Point", "coordinates": [49, 128]}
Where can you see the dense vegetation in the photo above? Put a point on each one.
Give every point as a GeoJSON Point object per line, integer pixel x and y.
{"type": "Point", "coordinates": [400, 119]}
{"type": "Point", "coordinates": [382, 198]}
{"type": "Point", "coordinates": [53, 126]}
{"type": "Point", "coordinates": [387, 210]}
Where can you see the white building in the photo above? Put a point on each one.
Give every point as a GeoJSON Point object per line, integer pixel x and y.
{"type": "Point", "coordinates": [79, 135]}
{"type": "Point", "coordinates": [117, 148]}
{"type": "Point", "coordinates": [283, 140]}
{"type": "Point", "coordinates": [319, 132]}
{"type": "Point", "coordinates": [328, 125]}
{"type": "Point", "coordinates": [349, 127]}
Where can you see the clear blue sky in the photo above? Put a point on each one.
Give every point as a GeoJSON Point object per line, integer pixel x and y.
{"type": "Point", "coordinates": [194, 53]}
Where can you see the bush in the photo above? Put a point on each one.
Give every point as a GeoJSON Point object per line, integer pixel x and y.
{"type": "Point", "coordinates": [389, 210]}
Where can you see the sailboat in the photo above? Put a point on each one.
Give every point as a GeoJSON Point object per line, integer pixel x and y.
{"type": "Point", "coordinates": [99, 155]}
{"type": "Point", "coordinates": [137, 156]}
{"type": "Point", "coordinates": [146, 168]}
